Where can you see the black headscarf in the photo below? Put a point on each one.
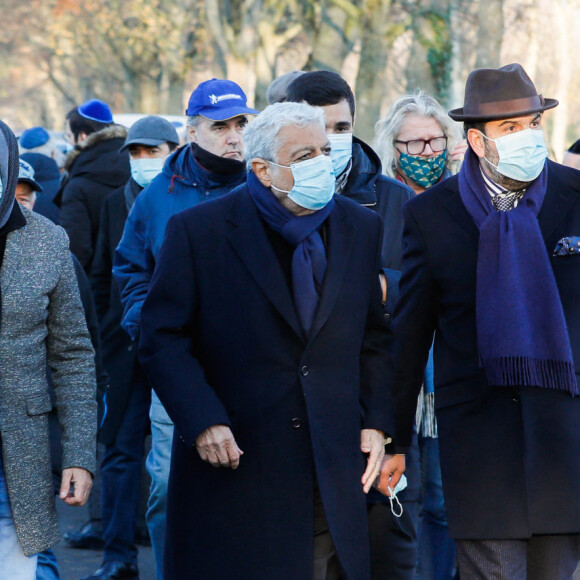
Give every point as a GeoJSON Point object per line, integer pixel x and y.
{"type": "Point", "coordinates": [11, 218]}
{"type": "Point", "coordinates": [8, 171]}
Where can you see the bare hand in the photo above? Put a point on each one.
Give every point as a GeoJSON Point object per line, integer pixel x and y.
{"type": "Point", "coordinates": [383, 281]}
{"type": "Point", "coordinates": [392, 469]}
{"type": "Point", "coordinates": [372, 441]}
{"type": "Point", "coordinates": [82, 480]}
{"type": "Point", "coordinates": [217, 446]}
{"type": "Point", "coordinates": [459, 152]}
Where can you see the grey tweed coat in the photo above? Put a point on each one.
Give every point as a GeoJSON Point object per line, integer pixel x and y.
{"type": "Point", "coordinates": [42, 322]}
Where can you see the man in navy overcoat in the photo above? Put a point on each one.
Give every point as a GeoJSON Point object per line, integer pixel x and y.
{"type": "Point", "coordinates": [264, 336]}
{"type": "Point", "coordinates": [492, 267]}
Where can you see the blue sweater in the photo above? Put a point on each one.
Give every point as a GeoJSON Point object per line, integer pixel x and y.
{"type": "Point", "coordinates": [182, 184]}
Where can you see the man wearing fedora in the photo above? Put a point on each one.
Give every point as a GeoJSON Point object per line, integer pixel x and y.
{"type": "Point", "coordinates": [492, 269]}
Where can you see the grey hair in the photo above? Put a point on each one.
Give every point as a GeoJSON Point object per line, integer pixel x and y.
{"type": "Point", "coordinates": [260, 136]}
{"type": "Point", "coordinates": [193, 121]}
{"type": "Point", "coordinates": [278, 89]}
{"type": "Point", "coordinates": [389, 127]}
{"type": "Point", "coordinates": [45, 149]}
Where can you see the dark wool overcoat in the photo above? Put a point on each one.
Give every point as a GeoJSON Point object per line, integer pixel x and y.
{"type": "Point", "coordinates": [510, 457]}
{"type": "Point", "coordinates": [119, 354]}
{"type": "Point", "coordinates": [222, 344]}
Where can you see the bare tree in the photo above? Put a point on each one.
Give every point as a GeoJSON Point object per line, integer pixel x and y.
{"type": "Point", "coordinates": [490, 20]}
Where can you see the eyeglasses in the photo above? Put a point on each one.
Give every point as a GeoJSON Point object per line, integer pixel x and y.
{"type": "Point", "coordinates": [417, 146]}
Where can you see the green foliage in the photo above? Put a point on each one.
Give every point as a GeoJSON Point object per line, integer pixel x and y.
{"type": "Point", "coordinates": [433, 33]}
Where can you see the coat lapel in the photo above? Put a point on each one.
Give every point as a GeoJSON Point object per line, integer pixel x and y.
{"type": "Point", "coordinates": [560, 197]}
{"type": "Point", "coordinates": [340, 236]}
{"type": "Point", "coordinates": [12, 257]}
{"type": "Point", "coordinates": [455, 207]}
{"type": "Point", "coordinates": [251, 243]}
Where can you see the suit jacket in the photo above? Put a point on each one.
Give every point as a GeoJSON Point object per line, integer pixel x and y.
{"type": "Point", "coordinates": [43, 322]}
{"type": "Point", "coordinates": [221, 343]}
{"type": "Point", "coordinates": [510, 457]}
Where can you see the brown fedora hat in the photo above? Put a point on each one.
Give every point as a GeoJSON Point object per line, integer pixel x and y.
{"type": "Point", "coordinates": [492, 94]}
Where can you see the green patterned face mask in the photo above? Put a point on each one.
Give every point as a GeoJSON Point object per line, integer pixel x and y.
{"type": "Point", "coordinates": [424, 171]}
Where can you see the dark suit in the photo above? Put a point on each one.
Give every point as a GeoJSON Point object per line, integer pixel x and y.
{"type": "Point", "coordinates": [510, 457]}
{"type": "Point", "coordinates": [222, 344]}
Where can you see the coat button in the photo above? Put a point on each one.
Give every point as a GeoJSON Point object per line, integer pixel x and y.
{"type": "Point", "coordinates": [296, 423]}
{"type": "Point", "coordinates": [387, 316]}
{"type": "Point", "coordinates": [305, 370]}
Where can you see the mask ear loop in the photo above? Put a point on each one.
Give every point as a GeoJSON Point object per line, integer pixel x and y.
{"type": "Point", "coordinates": [393, 497]}
{"type": "Point", "coordinates": [489, 139]}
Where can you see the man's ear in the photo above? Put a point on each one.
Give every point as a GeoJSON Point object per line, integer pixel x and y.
{"type": "Point", "coordinates": [191, 133]}
{"type": "Point", "coordinates": [476, 142]}
{"type": "Point", "coordinates": [261, 169]}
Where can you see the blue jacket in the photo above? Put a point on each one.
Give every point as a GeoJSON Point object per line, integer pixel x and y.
{"type": "Point", "coordinates": [182, 184]}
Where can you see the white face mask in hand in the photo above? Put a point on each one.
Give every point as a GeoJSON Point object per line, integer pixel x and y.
{"type": "Point", "coordinates": [397, 511]}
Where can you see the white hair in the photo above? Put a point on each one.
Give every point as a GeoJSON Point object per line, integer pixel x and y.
{"type": "Point", "coordinates": [387, 129]}
{"type": "Point", "coordinates": [45, 149]}
{"type": "Point", "coordinates": [260, 136]}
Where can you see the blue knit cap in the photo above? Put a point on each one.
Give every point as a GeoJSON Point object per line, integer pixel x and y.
{"type": "Point", "coordinates": [34, 137]}
{"type": "Point", "coordinates": [96, 110]}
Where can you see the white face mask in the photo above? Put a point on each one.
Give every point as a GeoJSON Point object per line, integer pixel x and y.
{"type": "Point", "coordinates": [522, 155]}
{"type": "Point", "coordinates": [341, 150]}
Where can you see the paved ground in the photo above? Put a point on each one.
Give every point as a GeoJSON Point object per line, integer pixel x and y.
{"type": "Point", "coordinates": [76, 564]}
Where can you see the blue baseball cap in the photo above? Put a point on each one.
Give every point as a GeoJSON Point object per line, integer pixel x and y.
{"type": "Point", "coordinates": [218, 100]}
{"type": "Point", "coordinates": [34, 137]}
{"type": "Point", "coordinates": [26, 175]}
{"type": "Point", "coordinates": [96, 110]}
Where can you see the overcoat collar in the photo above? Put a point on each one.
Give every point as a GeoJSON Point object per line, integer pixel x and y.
{"type": "Point", "coordinates": [250, 241]}
{"type": "Point", "coordinates": [560, 196]}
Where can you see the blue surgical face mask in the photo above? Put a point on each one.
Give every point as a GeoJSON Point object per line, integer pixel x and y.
{"type": "Point", "coordinates": [522, 155]}
{"type": "Point", "coordinates": [396, 507]}
{"type": "Point", "coordinates": [145, 170]}
{"type": "Point", "coordinates": [314, 182]}
{"type": "Point", "coordinates": [424, 171]}
{"type": "Point", "coordinates": [1, 189]}
{"type": "Point", "coordinates": [341, 150]}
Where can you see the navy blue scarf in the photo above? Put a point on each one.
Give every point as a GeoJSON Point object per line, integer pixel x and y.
{"type": "Point", "coordinates": [309, 258]}
{"type": "Point", "coordinates": [521, 329]}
